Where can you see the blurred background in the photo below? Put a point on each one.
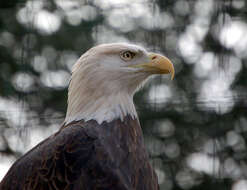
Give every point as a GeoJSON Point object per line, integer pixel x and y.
{"type": "Point", "coordinates": [195, 126]}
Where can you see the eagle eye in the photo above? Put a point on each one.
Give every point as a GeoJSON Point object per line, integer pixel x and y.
{"type": "Point", "coordinates": [127, 55]}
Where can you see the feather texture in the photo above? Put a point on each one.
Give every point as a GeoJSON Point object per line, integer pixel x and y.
{"type": "Point", "coordinates": [86, 156]}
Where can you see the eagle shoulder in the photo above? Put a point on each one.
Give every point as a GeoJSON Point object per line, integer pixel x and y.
{"type": "Point", "coordinates": [55, 163]}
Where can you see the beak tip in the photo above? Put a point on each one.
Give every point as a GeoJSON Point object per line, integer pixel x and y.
{"type": "Point", "coordinates": [172, 76]}
{"type": "Point", "coordinates": [172, 72]}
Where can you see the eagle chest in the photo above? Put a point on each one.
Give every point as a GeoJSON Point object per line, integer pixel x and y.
{"type": "Point", "coordinates": [120, 149]}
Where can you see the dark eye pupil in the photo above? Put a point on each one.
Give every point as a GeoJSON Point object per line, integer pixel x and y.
{"type": "Point", "coordinates": [128, 55]}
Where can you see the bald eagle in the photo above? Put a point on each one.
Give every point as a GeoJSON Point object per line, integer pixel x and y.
{"type": "Point", "coordinates": [100, 144]}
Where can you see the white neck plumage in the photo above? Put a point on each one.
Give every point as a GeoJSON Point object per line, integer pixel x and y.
{"type": "Point", "coordinates": [108, 108]}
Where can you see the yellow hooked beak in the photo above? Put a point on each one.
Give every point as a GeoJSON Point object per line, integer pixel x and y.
{"type": "Point", "coordinates": [158, 64]}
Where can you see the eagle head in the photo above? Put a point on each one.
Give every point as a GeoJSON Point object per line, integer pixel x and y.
{"type": "Point", "coordinates": [105, 78]}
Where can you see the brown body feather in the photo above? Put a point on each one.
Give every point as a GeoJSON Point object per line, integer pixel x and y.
{"type": "Point", "coordinates": [86, 156]}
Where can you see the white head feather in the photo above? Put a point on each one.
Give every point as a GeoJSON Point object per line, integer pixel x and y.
{"type": "Point", "coordinates": [102, 86]}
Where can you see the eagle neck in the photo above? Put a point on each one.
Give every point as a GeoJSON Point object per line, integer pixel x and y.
{"type": "Point", "coordinates": [100, 109]}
